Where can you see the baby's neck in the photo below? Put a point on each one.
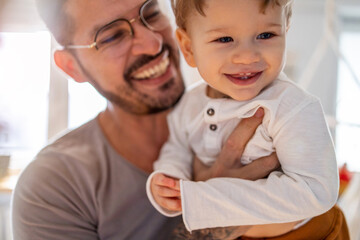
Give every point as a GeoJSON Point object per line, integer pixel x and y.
{"type": "Point", "coordinates": [213, 93]}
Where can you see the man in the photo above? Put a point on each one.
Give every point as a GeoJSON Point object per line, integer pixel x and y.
{"type": "Point", "coordinates": [2, 5]}
{"type": "Point", "coordinates": [90, 183]}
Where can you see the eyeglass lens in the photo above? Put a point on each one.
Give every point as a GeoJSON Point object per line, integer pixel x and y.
{"type": "Point", "coordinates": [119, 33]}
{"type": "Point", "coordinates": [153, 15]}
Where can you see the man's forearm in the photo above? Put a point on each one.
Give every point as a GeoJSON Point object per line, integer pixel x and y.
{"type": "Point", "coordinates": [226, 233]}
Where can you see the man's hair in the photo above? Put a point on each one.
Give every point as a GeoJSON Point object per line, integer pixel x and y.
{"type": "Point", "coordinates": [57, 20]}
{"type": "Point", "coordinates": [182, 8]}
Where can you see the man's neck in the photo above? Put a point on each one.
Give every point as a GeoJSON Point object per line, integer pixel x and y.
{"type": "Point", "coordinates": [138, 138]}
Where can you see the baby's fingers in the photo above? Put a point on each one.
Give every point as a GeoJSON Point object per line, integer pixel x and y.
{"type": "Point", "coordinates": [162, 180]}
{"type": "Point", "coordinates": [165, 191]}
{"type": "Point", "coordinates": [171, 204]}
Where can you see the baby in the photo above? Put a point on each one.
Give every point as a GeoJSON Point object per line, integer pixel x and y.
{"type": "Point", "coordinates": [238, 47]}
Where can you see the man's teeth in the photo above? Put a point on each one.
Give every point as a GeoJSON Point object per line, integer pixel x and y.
{"type": "Point", "coordinates": [155, 71]}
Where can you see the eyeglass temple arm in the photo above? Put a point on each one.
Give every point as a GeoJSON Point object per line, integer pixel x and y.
{"type": "Point", "coordinates": [80, 46]}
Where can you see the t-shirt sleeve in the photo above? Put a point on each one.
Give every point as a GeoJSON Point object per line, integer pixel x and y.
{"type": "Point", "coordinates": [50, 202]}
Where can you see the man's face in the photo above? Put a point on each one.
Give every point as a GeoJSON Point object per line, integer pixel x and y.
{"type": "Point", "coordinates": [238, 49]}
{"type": "Point", "coordinates": [146, 79]}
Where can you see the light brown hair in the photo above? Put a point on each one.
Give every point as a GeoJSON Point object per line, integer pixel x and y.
{"type": "Point", "coordinates": [182, 8]}
{"type": "Point", "coordinates": [57, 20]}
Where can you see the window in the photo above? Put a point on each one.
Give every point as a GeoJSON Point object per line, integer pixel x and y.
{"type": "Point", "coordinates": [84, 103]}
{"type": "Point", "coordinates": [24, 84]}
{"type": "Point", "coordinates": [348, 99]}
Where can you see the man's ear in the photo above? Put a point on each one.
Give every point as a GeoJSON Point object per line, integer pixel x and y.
{"type": "Point", "coordinates": [69, 64]}
{"type": "Point", "coordinates": [184, 42]}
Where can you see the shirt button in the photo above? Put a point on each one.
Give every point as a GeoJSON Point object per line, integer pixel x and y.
{"type": "Point", "coordinates": [213, 127]}
{"type": "Point", "coordinates": [210, 112]}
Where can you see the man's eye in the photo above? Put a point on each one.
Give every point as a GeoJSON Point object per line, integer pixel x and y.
{"type": "Point", "coordinates": [118, 36]}
{"type": "Point", "coordinates": [266, 35]}
{"type": "Point", "coordinates": [151, 17]}
{"type": "Point", "coordinates": [224, 39]}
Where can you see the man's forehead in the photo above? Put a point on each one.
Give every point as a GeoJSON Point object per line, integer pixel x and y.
{"type": "Point", "coordinates": [104, 7]}
{"type": "Point", "coordinates": [96, 13]}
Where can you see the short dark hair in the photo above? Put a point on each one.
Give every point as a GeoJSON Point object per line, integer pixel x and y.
{"type": "Point", "coordinates": [182, 8]}
{"type": "Point", "coordinates": [57, 20]}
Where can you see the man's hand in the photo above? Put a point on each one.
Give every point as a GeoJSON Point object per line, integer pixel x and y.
{"type": "Point", "coordinates": [166, 192]}
{"type": "Point", "coordinates": [258, 169]}
{"type": "Point", "coordinates": [228, 164]}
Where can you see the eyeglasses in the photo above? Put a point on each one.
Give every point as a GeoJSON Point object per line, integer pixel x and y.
{"type": "Point", "coordinates": [119, 33]}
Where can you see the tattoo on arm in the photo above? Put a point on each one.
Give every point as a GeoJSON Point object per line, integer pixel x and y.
{"type": "Point", "coordinates": [226, 233]}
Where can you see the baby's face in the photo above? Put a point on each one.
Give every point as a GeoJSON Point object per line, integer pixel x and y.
{"type": "Point", "coordinates": [237, 49]}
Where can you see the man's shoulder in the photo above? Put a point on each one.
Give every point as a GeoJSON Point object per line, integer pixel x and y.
{"type": "Point", "coordinates": [80, 135]}
{"type": "Point", "coordinates": [59, 184]}
{"type": "Point", "coordinates": [71, 161]}
{"type": "Point", "coordinates": [78, 149]}
{"type": "Point", "coordinates": [81, 139]}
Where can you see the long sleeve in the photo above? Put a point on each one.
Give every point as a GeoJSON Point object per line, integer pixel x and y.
{"type": "Point", "coordinates": [175, 158]}
{"type": "Point", "coordinates": [307, 187]}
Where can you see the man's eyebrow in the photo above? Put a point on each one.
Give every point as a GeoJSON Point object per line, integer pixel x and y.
{"type": "Point", "coordinates": [94, 30]}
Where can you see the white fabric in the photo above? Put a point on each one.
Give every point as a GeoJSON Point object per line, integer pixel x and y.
{"type": "Point", "coordinates": [293, 124]}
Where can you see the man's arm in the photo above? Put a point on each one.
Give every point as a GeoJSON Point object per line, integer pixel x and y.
{"type": "Point", "coordinates": [231, 152]}
{"type": "Point", "coordinates": [258, 169]}
{"type": "Point", "coordinates": [228, 164]}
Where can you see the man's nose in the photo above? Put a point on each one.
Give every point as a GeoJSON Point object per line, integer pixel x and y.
{"type": "Point", "coordinates": [246, 53]}
{"type": "Point", "coordinates": [146, 41]}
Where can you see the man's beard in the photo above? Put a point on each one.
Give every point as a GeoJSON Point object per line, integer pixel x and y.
{"type": "Point", "coordinates": [173, 89]}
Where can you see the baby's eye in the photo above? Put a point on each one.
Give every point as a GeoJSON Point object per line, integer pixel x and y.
{"type": "Point", "coordinates": [224, 39]}
{"type": "Point", "coordinates": [265, 35]}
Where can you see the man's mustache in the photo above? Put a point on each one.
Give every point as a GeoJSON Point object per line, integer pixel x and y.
{"type": "Point", "coordinates": [143, 60]}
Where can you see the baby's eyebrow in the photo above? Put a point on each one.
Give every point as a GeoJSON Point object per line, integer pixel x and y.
{"type": "Point", "coordinates": [218, 29]}
{"type": "Point", "coordinates": [274, 25]}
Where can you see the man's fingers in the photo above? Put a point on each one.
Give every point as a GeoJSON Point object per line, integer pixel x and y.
{"type": "Point", "coordinates": [235, 144]}
{"type": "Point", "coordinates": [245, 130]}
{"type": "Point", "coordinates": [162, 180]}
{"type": "Point", "coordinates": [198, 165]}
{"type": "Point", "coordinates": [270, 162]}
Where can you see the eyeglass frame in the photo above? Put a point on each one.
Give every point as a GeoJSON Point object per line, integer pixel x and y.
{"type": "Point", "coordinates": [140, 17]}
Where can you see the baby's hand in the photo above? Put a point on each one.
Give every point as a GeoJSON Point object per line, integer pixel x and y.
{"type": "Point", "coordinates": [166, 192]}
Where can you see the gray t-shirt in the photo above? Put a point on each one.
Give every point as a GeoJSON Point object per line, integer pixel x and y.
{"type": "Point", "coordinates": [78, 187]}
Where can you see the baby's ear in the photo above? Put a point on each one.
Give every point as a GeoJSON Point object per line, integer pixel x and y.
{"type": "Point", "coordinates": [184, 42]}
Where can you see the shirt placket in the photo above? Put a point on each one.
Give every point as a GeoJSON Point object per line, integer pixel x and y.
{"type": "Point", "coordinates": [212, 128]}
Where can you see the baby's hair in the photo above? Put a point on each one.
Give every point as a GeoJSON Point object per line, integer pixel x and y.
{"type": "Point", "coordinates": [182, 8]}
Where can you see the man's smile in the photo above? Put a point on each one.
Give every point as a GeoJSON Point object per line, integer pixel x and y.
{"type": "Point", "coordinates": [151, 70]}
